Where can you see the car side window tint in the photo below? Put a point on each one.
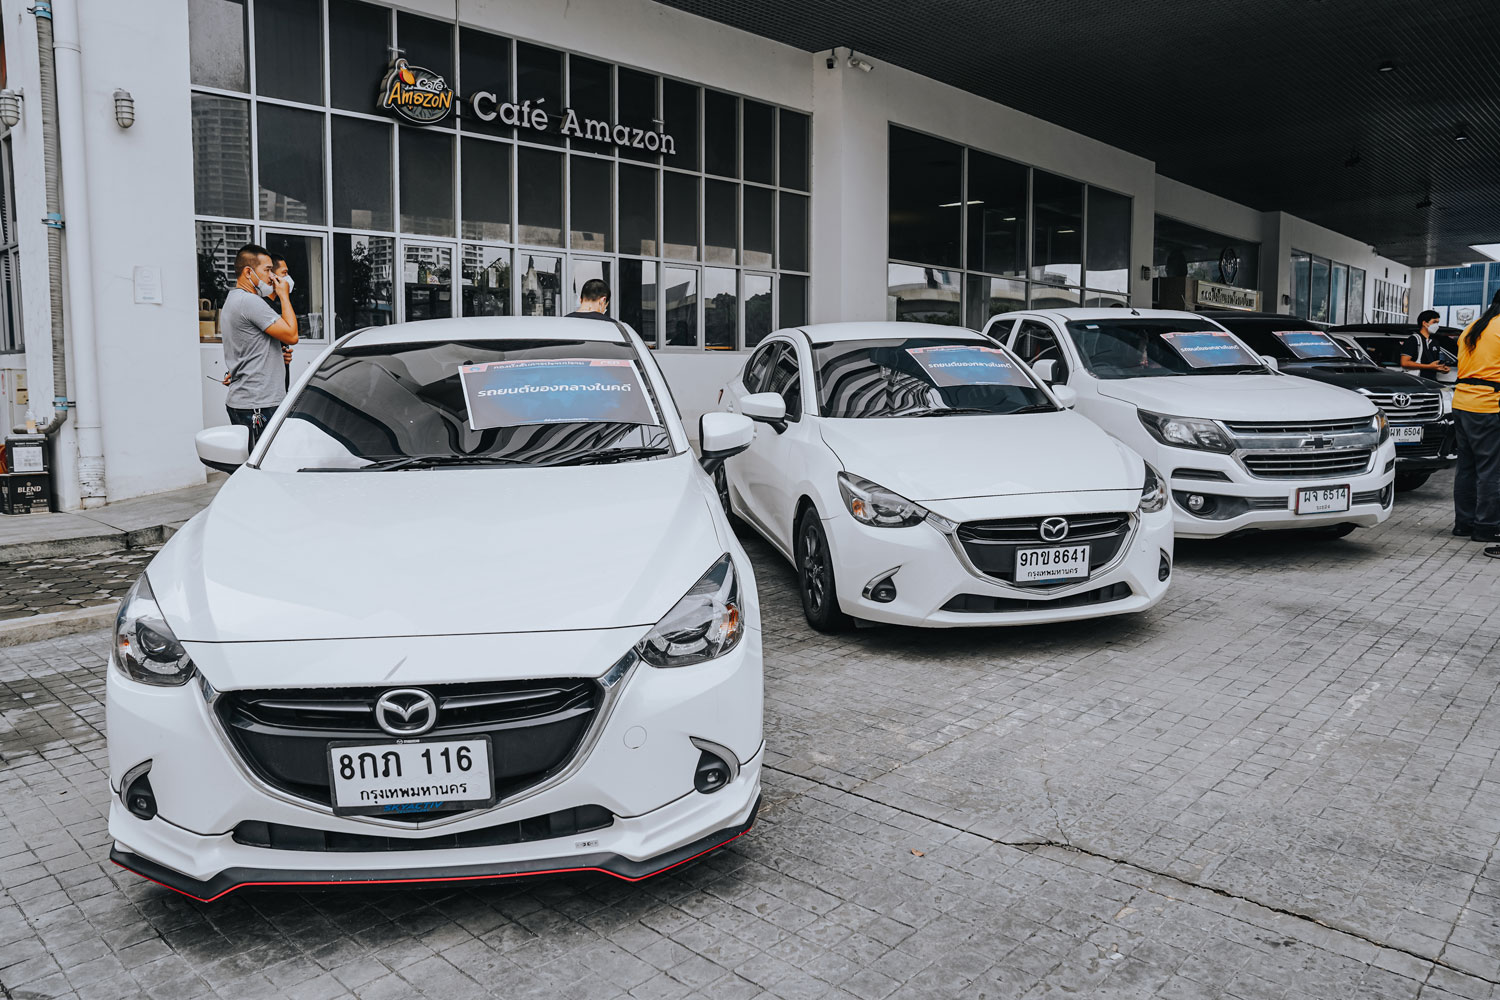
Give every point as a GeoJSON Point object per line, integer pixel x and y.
{"type": "Point", "coordinates": [1038, 342]}
{"type": "Point", "coordinates": [785, 378]}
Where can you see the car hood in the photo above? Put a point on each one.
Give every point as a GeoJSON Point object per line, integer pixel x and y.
{"type": "Point", "coordinates": [1238, 397]}
{"type": "Point", "coordinates": [307, 555]}
{"type": "Point", "coordinates": [1358, 376]}
{"type": "Point", "coordinates": [945, 458]}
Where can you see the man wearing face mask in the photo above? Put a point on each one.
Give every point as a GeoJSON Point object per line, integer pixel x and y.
{"type": "Point", "coordinates": [254, 336]}
{"type": "Point", "coordinates": [1420, 353]}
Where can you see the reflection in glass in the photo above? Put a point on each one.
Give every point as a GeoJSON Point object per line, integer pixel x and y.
{"type": "Point", "coordinates": [585, 270]}
{"type": "Point", "coordinates": [680, 306]}
{"type": "Point", "coordinates": [1053, 297]}
{"type": "Point", "coordinates": [1109, 241]}
{"type": "Point", "coordinates": [289, 50]}
{"type": "Point", "coordinates": [721, 308]}
{"type": "Point", "coordinates": [426, 182]}
{"type": "Point", "coordinates": [539, 77]}
{"type": "Point", "coordinates": [363, 273]}
{"type": "Point", "coordinates": [1340, 291]}
{"type": "Point", "coordinates": [760, 226]}
{"type": "Point", "coordinates": [1057, 206]}
{"type": "Point", "coordinates": [1301, 283]}
{"type": "Point", "coordinates": [720, 228]}
{"type": "Point", "coordinates": [997, 215]}
{"type": "Point", "coordinates": [680, 114]}
{"type": "Point", "coordinates": [635, 302]}
{"type": "Point", "coordinates": [486, 190]}
{"type": "Point", "coordinates": [304, 262]}
{"type": "Point", "coordinates": [591, 94]}
{"type": "Point", "coordinates": [793, 304]}
{"type": "Point", "coordinates": [721, 134]}
{"type": "Point", "coordinates": [760, 141]}
{"type": "Point", "coordinates": [759, 320]}
{"type": "Point", "coordinates": [1105, 300]}
{"type": "Point", "coordinates": [794, 147]}
{"type": "Point", "coordinates": [793, 232]}
{"type": "Point", "coordinates": [590, 203]}
{"type": "Point", "coordinates": [1318, 301]}
{"type": "Point", "coordinates": [361, 174]}
{"type": "Point", "coordinates": [1356, 310]}
{"type": "Point", "coordinates": [637, 99]}
{"type": "Point", "coordinates": [540, 190]}
{"type": "Point", "coordinates": [917, 294]}
{"type": "Point", "coordinates": [221, 156]}
{"type": "Point", "coordinates": [218, 243]}
{"type": "Point", "coordinates": [926, 177]}
{"type": "Point", "coordinates": [638, 210]}
{"type": "Point", "coordinates": [426, 42]}
{"type": "Point", "coordinates": [359, 39]}
{"type": "Point", "coordinates": [1184, 251]}
{"type": "Point", "coordinates": [427, 279]}
{"type": "Point", "coordinates": [486, 281]}
{"type": "Point", "coordinates": [216, 44]}
{"type": "Point", "coordinates": [291, 165]}
{"type": "Point", "coordinates": [988, 297]}
{"type": "Point", "coordinates": [541, 284]}
{"type": "Point", "coordinates": [485, 59]}
{"type": "Point", "coordinates": [680, 215]}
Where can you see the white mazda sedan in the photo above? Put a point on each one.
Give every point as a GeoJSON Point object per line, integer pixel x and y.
{"type": "Point", "coordinates": [469, 610]}
{"type": "Point", "coordinates": [923, 476]}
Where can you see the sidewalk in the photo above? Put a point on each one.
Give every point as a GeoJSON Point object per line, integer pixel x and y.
{"type": "Point", "coordinates": [129, 524]}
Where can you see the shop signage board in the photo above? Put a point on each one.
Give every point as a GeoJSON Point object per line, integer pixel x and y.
{"type": "Point", "coordinates": [415, 94]}
{"type": "Point", "coordinates": [1227, 297]}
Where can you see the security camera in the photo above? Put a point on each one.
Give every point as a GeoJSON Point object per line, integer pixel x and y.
{"type": "Point", "coordinates": [859, 64]}
{"type": "Point", "coordinates": [831, 61]}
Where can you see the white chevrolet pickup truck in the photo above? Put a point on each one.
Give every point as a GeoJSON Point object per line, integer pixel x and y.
{"type": "Point", "coordinates": [1242, 446]}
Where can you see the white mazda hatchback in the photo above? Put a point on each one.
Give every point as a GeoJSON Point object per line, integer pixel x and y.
{"type": "Point", "coordinates": [469, 610]}
{"type": "Point", "coordinates": [920, 475]}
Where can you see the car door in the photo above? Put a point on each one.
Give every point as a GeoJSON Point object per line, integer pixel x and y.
{"type": "Point", "coordinates": [752, 379]}
{"type": "Point", "coordinates": [768, 465]}
{"type": "Point", "coordinates": [1035, 341]}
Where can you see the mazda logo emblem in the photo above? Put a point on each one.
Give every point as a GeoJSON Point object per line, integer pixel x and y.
{"type": "Point", "coordinates": [406, 712]}
{"type": "Point", "coordinates": [1054, 529]}
{"type": "Point", "coordinates": [1316, 442]}
{"type": "Point", "coordinates": [1401, 399]}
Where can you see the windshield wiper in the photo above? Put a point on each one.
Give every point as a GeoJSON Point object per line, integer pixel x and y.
{"type": "Point", "coordinates": [1034, 408]}
{"type": "Point", "coordinates": [943, 411]}
{"type": "Point", "coordinates": [607, 455]}
{"type": "Point", "coordinates": [1238, 369]}
{"type": "Point", "coordinates": [419, 462]}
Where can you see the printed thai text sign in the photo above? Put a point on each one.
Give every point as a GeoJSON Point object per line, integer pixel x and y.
{"type": "Point", "coordinates": [963, 364]}
{"type": "Point", "coordinates": [1308, 344]}
{"type": "Point", "coordinates": [1210, 349]}
{"type": "Point", "coordinates": [552, 391]}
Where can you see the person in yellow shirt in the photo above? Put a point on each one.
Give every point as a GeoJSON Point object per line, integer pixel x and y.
{"type": "Point", "coordinates": [1476, 412]}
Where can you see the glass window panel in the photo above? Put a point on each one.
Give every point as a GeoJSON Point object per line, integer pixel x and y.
{"type": "Point", "coordinates": [291, 164]}
{"type": "Point", "coordinates": [1184, 251]}
{"type": "Point", "coordinates": [221, 156]}
{"type": "Point", "coordinates": [540, 203]}
{"type": "Point", "coordinates": [793, 300]}
{"type": "Point", "coordinates": [1301, 283]}
{"type": "Point", "coordinates": [1105, 300]}
{"type": "Point", "coordinates": [1053, 297]}
{"type": "Point", "coordinates": [638, 211]}
{"type": "Point", "coordinates": [926, 178]}
{"type": "Point", "coordinates": [363, 276]}
{"type": "Point", "coordinates": [426, 182]}
{"type": "Point", "coordinates": [1340, 289]}
{"type": "Point", "coordinates": [486, 281]}
{"type": "Point", "coordinates": [304, 262]}
{"type": "Point", "coordinates": [359, 39]}
{"type": "Point", "coordinates": [988, 297]}
{"type": "Point", "coordinates": [720, 221]}
{"type": "Point", "coordinates": [721, 134]}
{"type": "Point", "coordinates": [759, 320]}
{"type": "Point", "coordinates": [794, 144]}
{"type": "Point", "coordinates": [680, 306]}
{"type": "Point", "coordinates": [586, 269]}
{"type": "Point", "coordinates": [1356, 311]}
{"type": "Point", "coordinates": [590, 202]}
{"type": "Point", "coordinates": [760, 226]}
{"type": "Point", "coordinates": [362, 174]}
{"type": "Point", "coordinates": [484, 62]}
{"type": "Point", "coordinates": [922, 295]}
{"type": "Point", "coordinates": [760, 142]}
{"type": "Point", "coordinates": [637, 101]}
{"type": "Point", "coordinates": [997, 215]}
{"type": "Point", "coordinates": [721, 308]}
{"type": "Point", "coordinates": [218, 244]}
{"type": "Point", "coordinates": [427, 282]}
{"type": "Point", "coordinates": [1318, 303]}
{"type": "Point", "coordinates": [216, 44]}
{"type": "Point", "coordinates": [591, 94]}
{"type": "Point", "coordinates": [539, 79]}
{"type": "Point", "coordinates": [425, 42]}
{"type": "Point", "coordinates": [636, 303]}
{"type": "Point", "coordinates": [680, 215]}
{"type": "Point", "coordinates": [541, 284]}
{"type": "Point", "coordinates": [1109, 241]}
{"type": "Point", "coordinates": [793, 232]}
{"type": "Point", "coordinates": [289, 50]}
{"type": "Point", "coordinates": [486, 190]}
{"type": "Point", "coordinates": [680, 114]}
{"type": "Point", "coordinates": [1057, 206]}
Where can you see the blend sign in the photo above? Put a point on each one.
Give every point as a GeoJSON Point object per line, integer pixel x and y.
{"type": "Point", "coordinates": [416, 94]}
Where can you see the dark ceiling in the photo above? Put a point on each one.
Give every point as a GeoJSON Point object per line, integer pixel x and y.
{"type": "Point", "coordinates": [1276, 104]}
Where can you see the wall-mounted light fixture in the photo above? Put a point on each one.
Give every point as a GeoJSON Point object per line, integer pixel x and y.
{"type": "Point", "coordinates": [855, 62]}
{"type": "Point", "coordinates": [124, 109]}
{"type": "Point", "coordinates": [10, 107]}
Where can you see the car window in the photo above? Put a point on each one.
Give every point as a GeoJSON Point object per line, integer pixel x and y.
{"type": "Point", "coordinates": [754, 378]}
{"type": "Point", "coordinates": [1038, 342]}
{"type": "Point", "coordinates": [784, 377]}
{"type": "Point", "coordinates": [1144, 347]}
{"type": "Point", "coordinates": [1385, 350]}
{"type": "Point", "coordinates": [921, 376]}
{"type": "Point", "coordinates": [516, 402]}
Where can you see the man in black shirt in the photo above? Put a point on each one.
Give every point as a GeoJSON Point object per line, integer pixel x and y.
{"type": "Point", "coordinates": [1419, 353]}
{"type": "Point", "coordinates": [593, 301]}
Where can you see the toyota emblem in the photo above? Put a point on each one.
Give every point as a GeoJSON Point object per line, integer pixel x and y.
{"type": "Point", "coordinates": [1054, 529]}
{"type": "Point", "coordinates": [1401, 399]}
{"type": "Point", "coordinates": [406, 712]}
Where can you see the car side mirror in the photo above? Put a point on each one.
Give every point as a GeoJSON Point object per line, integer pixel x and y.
{"type": "Point", "coordinates": [1066, 396]}
{"type": "Point", "coordinates": [722, 435]}
{"type": "Point", "coordinates": [1045, 369]}
{"type": "Point", "coordinates": [1270, 362]}
{"type": "Point", "coordinates": [765, 408]}
{"type": "Point", "coordinates": [223, 448]}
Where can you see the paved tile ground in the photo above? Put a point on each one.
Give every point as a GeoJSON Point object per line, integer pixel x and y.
{"type": "Point", "coordinates": [1281, 783]}
{"type": "Point", "coordinates": [63, 583]}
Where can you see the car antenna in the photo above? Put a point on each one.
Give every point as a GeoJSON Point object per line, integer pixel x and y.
{"type": "Point", "coordinates": [1134, 311]}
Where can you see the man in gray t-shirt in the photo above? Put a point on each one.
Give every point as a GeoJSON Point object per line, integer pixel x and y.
{"type": "Point", "coordinates": [253, 338]}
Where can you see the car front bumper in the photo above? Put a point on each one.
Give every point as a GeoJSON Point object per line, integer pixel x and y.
{"type": "Point", "coordinates": [1438, 448]}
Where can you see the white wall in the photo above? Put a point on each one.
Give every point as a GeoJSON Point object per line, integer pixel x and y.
{"type": "Point", "coordinates": [1299, 234]}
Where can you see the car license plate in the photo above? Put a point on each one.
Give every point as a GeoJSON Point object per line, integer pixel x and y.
{"type": "Point", "coordinates": [1062, 562]}
{"type": "Point", "coordinates": [414, 777]}
{"type": "Point", "coordinates": [1322, 499]}
{"type": "Point", "coordinates": [1407, 435]}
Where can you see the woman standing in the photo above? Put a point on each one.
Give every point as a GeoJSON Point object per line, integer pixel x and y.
{"type": "Point", "coordinates": [1476, 411]}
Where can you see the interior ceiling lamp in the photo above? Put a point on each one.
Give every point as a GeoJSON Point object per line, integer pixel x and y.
{"type": "Point", "coordinates": [10, 107]}
{"type": "Point", "coordinates": [124, 109]}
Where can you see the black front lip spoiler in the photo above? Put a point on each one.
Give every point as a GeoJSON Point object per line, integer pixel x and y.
{"type": "Point", "coordinates": [243, 878]}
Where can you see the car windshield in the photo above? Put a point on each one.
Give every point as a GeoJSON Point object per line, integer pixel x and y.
{"type": "Point", "coordinates": [1289, 344]}
{"type": "Point", "coordinates": [471, 403]}
{"type": "Point", "coordinates": [922, 377]}
{"type": "Point", "coordinates": [1142, 347]}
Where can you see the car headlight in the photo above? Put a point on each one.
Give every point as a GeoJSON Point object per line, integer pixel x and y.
{"type": "Point", "coordinates": [705, 624]}
{"type": "Point", "coordinates": [1186, 432]}
{"type": "Point", "coordinates": [1382, 425]}
{"type": "Point", "coordinates": [1154, 493]}
{"type": "Point", "coordinates": [873, 504]}
{"type": "Point", "coordinates": [145, 647]}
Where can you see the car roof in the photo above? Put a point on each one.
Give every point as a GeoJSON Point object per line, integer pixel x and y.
{"type": "Point", "coordinates": [1282, 321]}
{"type": "Point", "coordinates": [429, 331]}
{"type": "Point", "coordinates": [1113, 312]}
{"type": "Point", "coordinates": [827, 333]}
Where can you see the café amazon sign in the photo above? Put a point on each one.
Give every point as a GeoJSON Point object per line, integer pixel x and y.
{"type": "Point", "coordinates": [422, 97]}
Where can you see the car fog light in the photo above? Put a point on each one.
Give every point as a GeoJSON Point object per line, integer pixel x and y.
{"type": "Point", "coordinates": [1196, 502]}
{"type": "Point", "coordinates": [882, 588]}
{"type": "Point", "coordinates": [717, 766]}
{"type": "Point", "coordinates": [1387, 494]}
{"type": "Point", "coordinates": [1164, 568]}
{"type": "Point", "coordinates": [136, 792]}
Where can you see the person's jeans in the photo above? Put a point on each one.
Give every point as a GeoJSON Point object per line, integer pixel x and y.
{"type": "Point", "coordinates": [1476, 481]}
{"type": "Point", "coordinates": [254, 419]}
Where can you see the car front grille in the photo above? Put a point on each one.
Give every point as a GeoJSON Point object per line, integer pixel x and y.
{"type": "Point", "coordinates": [984, 604]}
{"type": "Point", "coordinates": [1421, 449]}
{"type": "Point", "coordinates": [1322, 464]}
{"type": "Point", "coordinates": [1420, 408]}
{"type": "Point", "coordinates": [534, 726]}
{"type": "Point", "coordinates": [991, 545]}
{"type": "Point", "coordinates": [1249, 429]}
{"type": "Point", "coordinates": [564, 823]}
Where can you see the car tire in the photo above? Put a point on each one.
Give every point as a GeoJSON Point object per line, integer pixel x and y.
{"type": "Point", "coordinates": [1408, 481]}
{"type": "Point", "coordinates": [815, 579]}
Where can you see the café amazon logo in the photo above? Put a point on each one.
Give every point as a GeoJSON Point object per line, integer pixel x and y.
{"type": "Point", "coordinates": [418, 95]}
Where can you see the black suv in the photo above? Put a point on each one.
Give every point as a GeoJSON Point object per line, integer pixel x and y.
{"type": "Point", "coordinates": [1418, 409]}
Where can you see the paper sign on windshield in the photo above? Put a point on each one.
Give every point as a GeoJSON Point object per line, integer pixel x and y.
{"type": "Point", "coordinates": [1209, 349]}
{"type": "Point", "coordinates": [963, 364]}
{"type": "Point", "coordinates": [561, 390]}
{"type": "Point", "coordinates": [1310, 344]}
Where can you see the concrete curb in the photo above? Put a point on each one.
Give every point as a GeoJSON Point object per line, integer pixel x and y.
{"type": "Point", "coordinates": [60, 623]}
{"type": "Point", "coordinates": [89, 545]}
